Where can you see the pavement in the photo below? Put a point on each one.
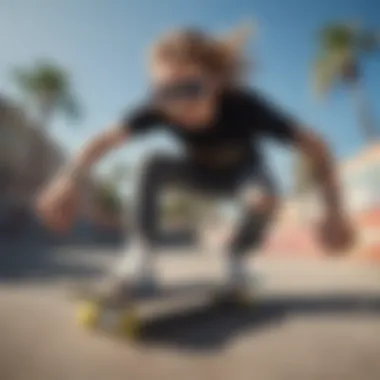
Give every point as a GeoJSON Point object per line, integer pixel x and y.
{"type": "Point", "coordinates": [315, 319]}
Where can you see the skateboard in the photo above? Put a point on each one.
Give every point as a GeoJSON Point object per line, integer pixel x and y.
{"type": "Point", "coordinates": [128, 317]}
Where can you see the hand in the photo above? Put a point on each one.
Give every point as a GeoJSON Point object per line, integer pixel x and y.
{"type": "Point", "coordinates": [58, 203]}
{"type": "Point", "coordinates": [336, 233]}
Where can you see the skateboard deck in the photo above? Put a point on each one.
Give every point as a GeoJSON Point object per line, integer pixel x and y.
{"type": "Point", "coordinates": [128, 317]}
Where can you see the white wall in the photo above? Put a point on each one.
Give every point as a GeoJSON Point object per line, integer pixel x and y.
{"type": "Point", "coordinates": [362, 186]}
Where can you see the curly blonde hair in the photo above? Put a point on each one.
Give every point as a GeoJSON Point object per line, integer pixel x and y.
{"type": "Point", "coordinates": [222, 58]}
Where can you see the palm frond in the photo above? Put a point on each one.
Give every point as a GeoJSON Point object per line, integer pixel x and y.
{"type": "Point", "coordinates": [51, 78]}
{"type": "Point", "coordinates": [50, 87]}
{"type": "Point", "coordinates": [337, 37]}
{"type": "Point", "coordinates": [341, 47]}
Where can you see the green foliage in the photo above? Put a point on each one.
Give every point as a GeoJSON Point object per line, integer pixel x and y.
{"type": "Point", "coordinates": [341, 46]}
{"type": "Point", "coordinates": [108, 194]}
{"type": "Point", "coordinates": [49, 87]}
{"type": "Point", "coordinates": [108, 198]}
{"type": "Point", "coordinates": [178, 206]}
{"type": "Point", "coordinates": [336, 37]}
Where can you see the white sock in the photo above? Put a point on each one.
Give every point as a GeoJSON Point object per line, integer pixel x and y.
{"type": "Point", "coordinates": [136, 264]}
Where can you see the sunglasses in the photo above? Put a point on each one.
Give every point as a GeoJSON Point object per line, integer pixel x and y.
{"type": "Point", "coordinates": [187, 90]}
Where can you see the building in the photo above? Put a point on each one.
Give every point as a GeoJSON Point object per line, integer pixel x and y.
{"type": "Point", "coordinates": [295, 232]}
{"type": "Point", "coordinates": [28, 157]}
{"type": "Point", "coordinates": [361, 179]}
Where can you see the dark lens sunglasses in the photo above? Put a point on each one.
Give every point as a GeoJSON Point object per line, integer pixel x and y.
{"type": "Point", "coordinates": [182, 91]}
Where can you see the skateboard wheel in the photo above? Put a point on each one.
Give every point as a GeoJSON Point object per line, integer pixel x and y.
{"type": "Point", "coordinates": [130, 325]}
{"type": "Point", "coordinates": [88, 314]}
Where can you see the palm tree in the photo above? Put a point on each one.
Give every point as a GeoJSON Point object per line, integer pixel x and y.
{"type": "Point", "coordinates": [49, 88]}
{"type": "Point", "coordinates": [341, 49]}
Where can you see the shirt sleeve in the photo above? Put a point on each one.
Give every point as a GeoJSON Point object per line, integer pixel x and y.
{"type": "Point", "coordinates": [141, 119]}
{"type": "Point", "coordinates": [271, 121]}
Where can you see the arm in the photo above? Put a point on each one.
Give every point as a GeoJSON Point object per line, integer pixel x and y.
{"type": "Point", "coordinates": [278, 125]}
{"type": "Point", "coordinates": [95, 150]}
{"type": "Point", "coordinates": [323, 168]}
{"type": "Point", "coordinates": [74, 175]}
{"type": "Point", "coordinates": [138, 121]}
{"type": "Point", "coordinates": [335, 232]}
{"type": "Point", "coordinates": [57, 205]}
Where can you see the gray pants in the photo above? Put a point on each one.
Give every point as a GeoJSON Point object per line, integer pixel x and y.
{"type": "Point", "coordinates": [161, 171]}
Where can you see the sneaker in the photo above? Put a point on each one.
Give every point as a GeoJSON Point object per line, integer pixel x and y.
{"type": "Point", "coordinates": [107, 291]}
{"type": "Point", "coordinates": [115, 291]}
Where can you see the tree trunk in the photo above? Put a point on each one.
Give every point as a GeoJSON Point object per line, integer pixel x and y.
{"type": "Point", "coordinates": [365, 119]}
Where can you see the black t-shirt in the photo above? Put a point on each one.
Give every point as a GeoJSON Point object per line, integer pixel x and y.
{"type": "Point", "coordinates": [232, 139]}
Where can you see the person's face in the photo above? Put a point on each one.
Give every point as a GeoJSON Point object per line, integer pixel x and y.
{"type": "Point", "coordinates": [185, 93]}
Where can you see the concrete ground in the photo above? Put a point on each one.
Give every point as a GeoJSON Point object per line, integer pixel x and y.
{"type": "Point", "coordinates": [315, 320]}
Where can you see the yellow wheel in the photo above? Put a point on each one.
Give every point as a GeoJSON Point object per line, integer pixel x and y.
{"type": "Point", "coordinates": [88, 314]}
{"type": "Point", "coordinates": [129, 325]}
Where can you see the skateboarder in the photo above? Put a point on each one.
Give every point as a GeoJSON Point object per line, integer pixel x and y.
{"type": "Point", "coordinates": [198, 93]}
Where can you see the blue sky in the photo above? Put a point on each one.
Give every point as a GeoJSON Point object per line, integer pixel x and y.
{"type": "Point", "coordinates": [103, 44]}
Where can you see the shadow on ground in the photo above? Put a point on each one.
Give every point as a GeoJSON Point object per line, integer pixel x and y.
{"type": "Point", "coordinates": [212, 328]}
{"type": "Point", "coordinates": [20, 262]}
{"type": "Point", "coordinates": [46, 261]}
{"type": "Point", "coordinates": [83, 233]}
{"type": "Point", "coordinates": [35, 253]}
